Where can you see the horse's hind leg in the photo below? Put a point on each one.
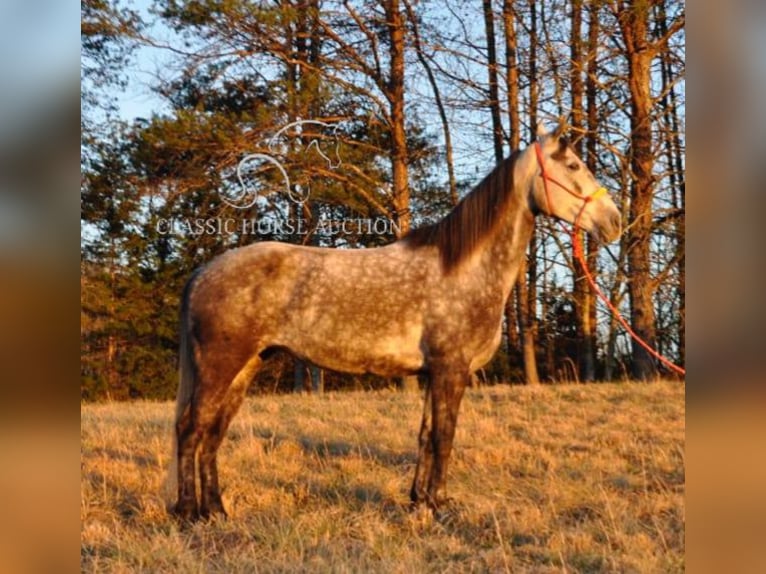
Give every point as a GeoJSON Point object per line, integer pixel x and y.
{"type": "Point", "coordinates": [188, 436]}
{"type": "Point", "coordinates": [222, 413]}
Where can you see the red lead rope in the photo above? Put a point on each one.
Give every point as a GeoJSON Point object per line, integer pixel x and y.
{"type": "Point", "coordinates": [578, 253]}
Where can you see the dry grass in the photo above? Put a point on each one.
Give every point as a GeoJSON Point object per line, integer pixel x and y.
{"type": "Point", "coordinates": [586, 478]}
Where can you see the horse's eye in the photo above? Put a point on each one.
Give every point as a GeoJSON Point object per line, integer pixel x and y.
{"type": "Point", "coordinates": [573, 166]}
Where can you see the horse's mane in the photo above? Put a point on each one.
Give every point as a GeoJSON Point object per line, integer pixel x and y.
{"type": "Point", "coordinates": [473, 219]}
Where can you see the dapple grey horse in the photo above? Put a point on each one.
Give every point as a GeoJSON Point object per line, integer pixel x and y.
{"type": "Point", "coordinates": [430, 303]}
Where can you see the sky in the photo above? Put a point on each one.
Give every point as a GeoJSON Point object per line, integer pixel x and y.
{"type": "Point", "coordinates": [137, 99]}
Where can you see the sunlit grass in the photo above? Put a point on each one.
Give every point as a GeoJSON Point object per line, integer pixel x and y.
{"type": "Point", "coordinates": [586, 478]}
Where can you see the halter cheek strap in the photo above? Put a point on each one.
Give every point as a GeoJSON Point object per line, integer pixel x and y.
{"type": "Point", "coordinates": [547, 177]}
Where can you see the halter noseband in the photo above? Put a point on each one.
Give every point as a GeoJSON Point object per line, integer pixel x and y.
{"type": "Point", "coordinates": [547, 177]}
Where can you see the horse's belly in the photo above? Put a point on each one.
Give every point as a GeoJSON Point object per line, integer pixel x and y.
{"type": "Point", "coordinates": [385, 356]}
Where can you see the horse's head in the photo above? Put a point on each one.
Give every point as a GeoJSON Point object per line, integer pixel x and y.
{"type": "Point", "coordinates": [565, 188]}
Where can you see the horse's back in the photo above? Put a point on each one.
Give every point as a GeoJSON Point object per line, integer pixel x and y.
{"type": "Point", "coordinates": [340, 308]}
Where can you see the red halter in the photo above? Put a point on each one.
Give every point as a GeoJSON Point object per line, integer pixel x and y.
{"type": "Point", "coordinates": [578, 253]}
{"type": "Point", "coordinates": [546, 178]}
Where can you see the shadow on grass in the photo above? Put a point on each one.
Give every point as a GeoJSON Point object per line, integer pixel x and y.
{"type": "Point", "coordinates": [353, 492]}
{"type": "Point", "coordinates": [335, 448]}
{"type": "Point", "coordinates": [342, 449]}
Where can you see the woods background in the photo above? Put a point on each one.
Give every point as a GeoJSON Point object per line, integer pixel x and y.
{"type": "Point", "coordinates": [426, 97]}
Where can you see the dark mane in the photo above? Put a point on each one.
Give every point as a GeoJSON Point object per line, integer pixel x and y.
{"type": "Point", "coordinates": [472, 220]}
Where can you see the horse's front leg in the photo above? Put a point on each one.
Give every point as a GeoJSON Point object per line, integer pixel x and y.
{"type": "Point", "coordinates": [419, 490]}
{"type": "Point", "coordinates": [447, 392]}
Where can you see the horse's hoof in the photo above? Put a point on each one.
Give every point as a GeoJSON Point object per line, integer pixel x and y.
{"type": "Point", "coordinates": [416, 503]}
{"type": "Point", "coordinates": [436, 506]}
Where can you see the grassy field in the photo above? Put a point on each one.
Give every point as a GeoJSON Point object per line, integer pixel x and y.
{"type": "Point", "coordinates": [569, 478]}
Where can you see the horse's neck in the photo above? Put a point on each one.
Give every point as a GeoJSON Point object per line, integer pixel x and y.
{"type": "Point", "coordinates": [505, 251]}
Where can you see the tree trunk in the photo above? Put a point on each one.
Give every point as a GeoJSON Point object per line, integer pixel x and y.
{"type": "Point", "coordinates": [438, 100]}
{"type": "Point", "coordinates": [494, 97]}
{"type": "Point", "coordinates": [615, 291]}
{"type": "Point", "coordinates": [300, 384]}
{"type": "Point", "coordinates": [526, 328]}
{"type": "Point", "coordinates": [512, 74]}
{"type": "Point", "coordinates": [527, 282]}
{"type": "Point", "coordinates": [316, 379]}
{"type": "Point", "coordinates": [674, 153]}
{"type": "Point", "coordinates": [395, 96]}
{"type": "Point", "coordinates": [111, 343]}
{"type": "Point", "coordinates": [634, 21]}
{"type": "Point", "coordinates": [497, 132]}
{"type": "Point", "coordinates": [512, 88]}
{"type": "Point", "coordinates": [581, 289]}
{"type": "Point", "coordinates": [591, 248]}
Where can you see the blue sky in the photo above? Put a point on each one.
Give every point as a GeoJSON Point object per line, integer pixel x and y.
{"type": "Point", "coordinates": [138, 99]}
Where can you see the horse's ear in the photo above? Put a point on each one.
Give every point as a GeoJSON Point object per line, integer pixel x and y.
{"type": "Point", "coordinates": [561, 129]}
{"type": "Point", "coordinates": [541, 131]}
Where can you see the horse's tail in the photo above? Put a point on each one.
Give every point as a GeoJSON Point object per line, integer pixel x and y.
{"type": "Point", "coordinates": [187, 377]}
{"type": "Point", "coordinates": [187, 369]}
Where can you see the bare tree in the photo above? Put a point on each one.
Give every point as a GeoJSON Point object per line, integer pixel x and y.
{"type": "Point", "coordinates": [633, 18]}
{"type": "Point", "coordinates": [581, 291]}
{"type": "Point", "coordinates": [674, 158]}
{"type": "Point", "coordinates": [589, 298]}
{"type": "Point", "coordinates": [395, 25]}
{"type": "Point", "coordinates": [514, 136]}
{"type": "Point", "coordinates": [493, 92]}
{"type": "Point", "coordinates": [423, 59]}
{"type": "Point", "coordinates": [527, 283]}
